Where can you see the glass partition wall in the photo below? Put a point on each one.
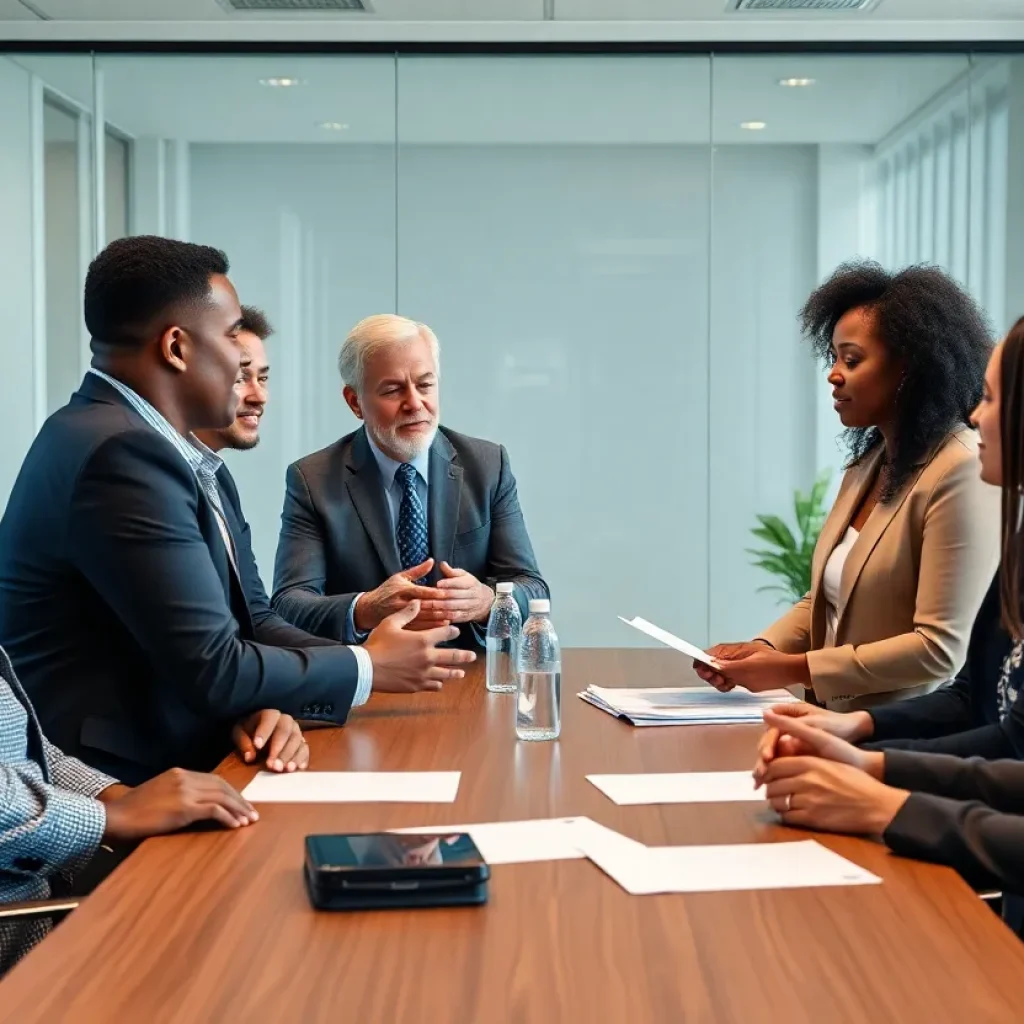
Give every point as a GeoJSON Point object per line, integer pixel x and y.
{"type": "Point", "coordinates": [612, 250]}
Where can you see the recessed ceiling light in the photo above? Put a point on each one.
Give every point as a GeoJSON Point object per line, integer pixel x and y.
{"type": "Point", "coordinates": [333, 126]}
{"type": "Point", "coordinates": [753, 126]}
{"type": "Point", "coordinates": [796, 83]}
{"type": "Point", "coordinates": [280, 83]}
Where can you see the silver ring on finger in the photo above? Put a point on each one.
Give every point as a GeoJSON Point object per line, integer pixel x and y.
{"type": "Point", "coordinates": [788, 805]}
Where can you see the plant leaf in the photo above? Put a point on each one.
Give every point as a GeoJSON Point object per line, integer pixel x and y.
{"type": "Point", "coordinates": [789, 558]}
{"type": "Point", "coordinates": [775, 531]}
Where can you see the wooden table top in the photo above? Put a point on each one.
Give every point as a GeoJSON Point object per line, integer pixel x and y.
{"type": "Point", "coordinates": [216, 926]}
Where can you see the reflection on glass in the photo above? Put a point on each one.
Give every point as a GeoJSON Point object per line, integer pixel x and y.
{"type": "Point", "coordinates": [407, 850]}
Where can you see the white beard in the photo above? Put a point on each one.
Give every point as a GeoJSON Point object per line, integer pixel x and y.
{"type": "Point", "coordinates": [402, 449]}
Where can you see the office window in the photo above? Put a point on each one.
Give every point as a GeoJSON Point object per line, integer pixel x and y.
{"type": "Point", "coordinates": [553, 218]}
{"type": "Point", "coordinates": [612, 249]}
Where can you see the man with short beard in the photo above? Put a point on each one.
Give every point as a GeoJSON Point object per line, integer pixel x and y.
{"type": "Point", "coordinates": [251, 387]}
{"type": "Point", "coordinates": [402, 509]}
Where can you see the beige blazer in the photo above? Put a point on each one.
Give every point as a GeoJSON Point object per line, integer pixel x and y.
{"type": "Point", "coordinates": [911, 586]}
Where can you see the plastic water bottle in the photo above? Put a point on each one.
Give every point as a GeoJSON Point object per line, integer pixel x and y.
{"type": "Point", "coordinates": [503, 630]}
{"type": "Point", "coordinates": [539, 695]}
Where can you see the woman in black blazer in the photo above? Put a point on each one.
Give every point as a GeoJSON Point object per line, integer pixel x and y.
{"type": "Point", "coordinates": [967, 813]}
{"type": "Point", "coordinates": [981, 713]}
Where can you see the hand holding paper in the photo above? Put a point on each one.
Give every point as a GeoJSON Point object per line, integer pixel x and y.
{"type": "Point", "coordinates": [670, 640]}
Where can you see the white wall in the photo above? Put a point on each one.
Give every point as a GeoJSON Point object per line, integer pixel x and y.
{"type": "Point", "coordinates": [17, 405]}
{"type": "Point", "coordinates": [569, 286]}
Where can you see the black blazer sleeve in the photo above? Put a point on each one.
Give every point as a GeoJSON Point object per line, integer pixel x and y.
{"type": "Point", "coordinates": [999, 784]}
{"type": "Point", "coordinates": [966, 814]}
{"type": "Point", "coordinates": [300, 568]}
{"type": "Point", "coordinates": [510, 554]}
{"type": "Point", "coordinates": [1004, 739]}
{"type": "Point", "coordinates": [933, 714]}
{"type": "Point", "coordinates": [268, 626]}
{"type": "Point", "coordinates": [145, 555]}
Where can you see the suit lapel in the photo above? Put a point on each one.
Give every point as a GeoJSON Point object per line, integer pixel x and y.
{"type": "Point", "coordinates": [235, 522]}
{"type": "Point", "coordinates": [443, 498]}
{"type": "Point", "coordinates": [879, 520]}
{"type": "Point", "coordinates": [366, 489]}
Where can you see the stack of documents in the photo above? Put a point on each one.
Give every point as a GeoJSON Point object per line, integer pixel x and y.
{"type": "Point", "coordinates": [685, 705]}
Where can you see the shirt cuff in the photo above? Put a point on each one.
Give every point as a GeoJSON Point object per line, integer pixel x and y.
{"type": "Point", "coordinates": [70, 830]}
{"type": "Point", "coordinates": [364, 681]}
{"type": "Point", "coordinates": [353, 635]}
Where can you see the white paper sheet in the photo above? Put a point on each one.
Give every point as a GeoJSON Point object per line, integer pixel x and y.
{"type": "Point", "coordinates": [353, 787]}
{"type": "Point", "coordinates": [519, 842]}
{"type": "Point", "coordinates": [679, 788]}
{"type": "Point", "coordinates": [670, 640]}
{"type": "Point", "coordinates": [660, 869]}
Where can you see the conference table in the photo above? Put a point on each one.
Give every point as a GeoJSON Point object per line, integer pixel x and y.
{"type": "Point", "coordinates": [216, 926]}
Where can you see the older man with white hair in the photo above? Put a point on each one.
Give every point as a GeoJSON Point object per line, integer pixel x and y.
{"type": "Point", "coordinates": [402, 509]}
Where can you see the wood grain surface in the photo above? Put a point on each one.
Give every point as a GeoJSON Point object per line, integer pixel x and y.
{"type": "Point", "coordinates": [216, 926]}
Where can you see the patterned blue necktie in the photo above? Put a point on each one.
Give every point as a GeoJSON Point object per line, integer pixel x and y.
{"type": "Point", "coordinates": [412, 520]}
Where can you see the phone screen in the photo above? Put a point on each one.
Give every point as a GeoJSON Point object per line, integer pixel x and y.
{"type": "Point", "coordinates": [390, 849]}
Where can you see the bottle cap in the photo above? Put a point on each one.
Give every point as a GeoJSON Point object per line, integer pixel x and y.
{"type": "Point", "coordinates": [540, 606]}
{"type": "Point", "coordinates": [505, 588]}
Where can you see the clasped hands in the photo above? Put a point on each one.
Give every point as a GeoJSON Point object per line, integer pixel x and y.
{"type": "Point", "coordinates": [815, 778]}
{"type": "Point", "coordinates": [458, 597]}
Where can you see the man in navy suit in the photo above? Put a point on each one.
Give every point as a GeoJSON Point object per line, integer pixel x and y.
{"type": "Point", "coordinates": [122, 600]}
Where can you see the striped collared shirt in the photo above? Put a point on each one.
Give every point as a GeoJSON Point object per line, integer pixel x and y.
{"type": "Point", "coordinates": [205, 463]}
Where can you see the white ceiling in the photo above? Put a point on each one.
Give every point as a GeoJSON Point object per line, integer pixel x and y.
{"type": "Point", "coordinates": [504, 10]}
{"type": "Point", "coordinates": [606, 99]}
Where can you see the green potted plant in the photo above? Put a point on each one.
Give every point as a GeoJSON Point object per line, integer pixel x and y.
{"type": "Point", "coordinates": [788, 556]}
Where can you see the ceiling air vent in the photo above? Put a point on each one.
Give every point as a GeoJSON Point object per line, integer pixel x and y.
{"type": "Point", "coordinates": [801, 5]}
{"type": "Point", "coordinates": [296, 5]}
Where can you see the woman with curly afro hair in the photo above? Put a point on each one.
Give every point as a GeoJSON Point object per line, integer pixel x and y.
{"type": "Point", "coordinates": [912, 541]}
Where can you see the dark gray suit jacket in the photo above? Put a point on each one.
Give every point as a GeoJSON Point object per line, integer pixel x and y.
{"type": "Point", "coordinates": [337, 538]}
